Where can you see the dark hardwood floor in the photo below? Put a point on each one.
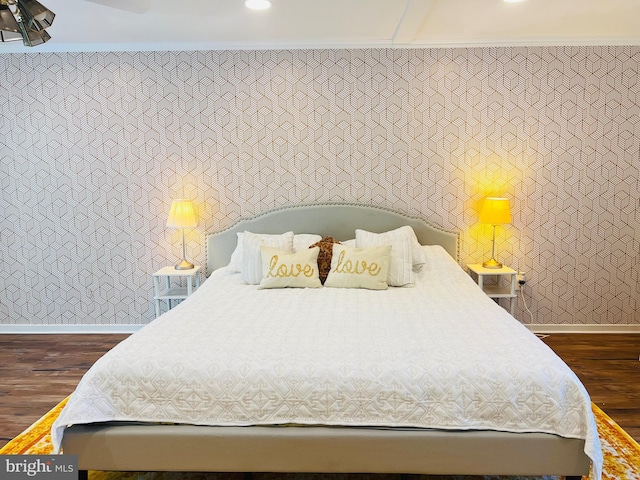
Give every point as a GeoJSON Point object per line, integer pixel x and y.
{"type": "Point", "coordinates": [37, 371]}
{"type": "Point", "coordinates": [609, 367]}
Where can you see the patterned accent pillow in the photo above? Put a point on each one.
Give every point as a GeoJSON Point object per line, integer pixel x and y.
{"type": "Point", "coordinates": [324, 257]}
{"type": "Point", "coordinates": [359, 267]}
{"type": "Point", "coordinates": [284, 269]}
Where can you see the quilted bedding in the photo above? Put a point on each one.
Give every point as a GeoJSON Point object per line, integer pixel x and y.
{"type": "Point", "coordinates": [438, 355]}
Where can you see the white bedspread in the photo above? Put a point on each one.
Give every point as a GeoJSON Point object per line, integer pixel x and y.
{"type": "Point", "coordinates": [439, 355]}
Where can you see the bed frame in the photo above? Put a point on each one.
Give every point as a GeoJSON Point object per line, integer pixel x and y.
{"type": "Point", "coordinates": [339, 220]}
{"type": "Point", "coordinates": [146, 447]}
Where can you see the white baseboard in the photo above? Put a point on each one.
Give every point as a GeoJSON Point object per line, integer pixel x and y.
{"type": "Point", "coordinates": [130, 328]}
{"type": "Point", "coordinates": [69, 329]}
{"type": "Point", "coordinates": [590, 328]}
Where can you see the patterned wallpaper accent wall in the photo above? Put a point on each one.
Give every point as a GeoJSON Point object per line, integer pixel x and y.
{"type": "Point", "coordinates": [94, 146]}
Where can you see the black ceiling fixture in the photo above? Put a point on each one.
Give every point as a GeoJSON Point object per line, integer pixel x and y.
{"type": "Point", "coordinates": [25, 20]}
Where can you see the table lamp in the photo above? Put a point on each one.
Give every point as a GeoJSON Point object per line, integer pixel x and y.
{"type": "Point", "coordinates": [182, 216]}
{"type": "Point", "coordinates": [495, 211]}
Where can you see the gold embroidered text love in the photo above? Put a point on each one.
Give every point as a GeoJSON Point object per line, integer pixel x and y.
{"type": "Point", "coordinates": [359, 267]}
{"type": "Point", "coordinates": [291, 270]}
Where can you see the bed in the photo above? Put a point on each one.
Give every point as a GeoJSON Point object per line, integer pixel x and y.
{"type": "Point", "coordinates": [334, 379]}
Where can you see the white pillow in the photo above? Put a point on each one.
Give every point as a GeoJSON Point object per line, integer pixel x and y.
{"type": "Point", "coordinates": [402, 243]}
{"type": "Point", "coordinates": [419, 258]}
{"type": "Point", "coordinates": [300, 241]}
{"type": "Point", "coordinates": [283, 269]}
{"type": "Point", "coordinates": [252, 258]}
{"type": "Point", "coordinates": [303, 241]}
{"type": "Point", "coordinates": [235, 262]}
{"type": "Point", "coordinates": [359, 267]}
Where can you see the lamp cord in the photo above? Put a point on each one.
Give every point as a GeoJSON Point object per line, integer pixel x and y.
{"type": "Point", "coordinates": [526, 308]}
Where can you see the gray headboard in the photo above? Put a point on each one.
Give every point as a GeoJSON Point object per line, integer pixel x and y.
{"type": "Point", "coordinates": [340, 220]}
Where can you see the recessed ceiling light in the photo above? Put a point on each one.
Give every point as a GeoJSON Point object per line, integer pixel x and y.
{"type": "Point", "coordinates": [257, 4]}
{"type": "Point", "coordinates": [512, 1]}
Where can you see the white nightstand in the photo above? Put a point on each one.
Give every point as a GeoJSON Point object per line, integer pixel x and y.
{"type": "Point", "coordinates": [191, 278]}
{"type": "Point", "coordinates": [505, 282]}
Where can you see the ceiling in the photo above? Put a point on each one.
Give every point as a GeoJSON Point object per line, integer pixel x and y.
{"type": "Point", "coordinates": [119, 25]}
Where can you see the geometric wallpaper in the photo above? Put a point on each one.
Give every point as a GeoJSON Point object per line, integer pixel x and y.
{"type": "Point", "coordinates": [95, 146]}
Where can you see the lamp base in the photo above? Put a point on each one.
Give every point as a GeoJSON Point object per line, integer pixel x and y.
{"type": "Point", "coordinates": [493, 263]}
{"type": "Point", "coordinates": [184, 265]}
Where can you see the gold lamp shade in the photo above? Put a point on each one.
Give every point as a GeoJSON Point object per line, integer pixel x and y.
{"type": "Point", "coordinates": [182, 215]}
{"type": "Point", "coordinates": [495, 211]}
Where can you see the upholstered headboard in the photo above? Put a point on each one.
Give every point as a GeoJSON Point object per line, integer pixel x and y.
{"type": "Point", "coordinates": [340, 220]}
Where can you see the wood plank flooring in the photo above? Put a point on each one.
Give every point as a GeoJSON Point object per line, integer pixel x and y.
{"type": "Point", "coordinates": [609, 367]}
{"type": "Point", "coordinates": [37, 371]}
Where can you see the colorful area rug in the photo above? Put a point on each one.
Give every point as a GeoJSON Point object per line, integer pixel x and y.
{"type": "Point", "coordinates": [621, 458]}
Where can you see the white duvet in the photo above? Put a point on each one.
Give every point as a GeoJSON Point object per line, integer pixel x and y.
{"type": "Point", "coordinates": [438, 355]}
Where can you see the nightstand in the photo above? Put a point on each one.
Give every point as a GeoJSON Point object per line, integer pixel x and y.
{"type": "Point", "coordinates": [191, 279]}
{"type": "Point", "coordinates": [504, 285]}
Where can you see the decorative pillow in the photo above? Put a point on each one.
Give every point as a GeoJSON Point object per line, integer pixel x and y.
{"type": "Point", "coordinates": [324, 257]}
{"type": "Point", "coordinates": [419, 258]}
{"type": "Point", "coordinates": [283, 269]}
{"type": "Point", "coordinates": [235, 262]}
{"type": "Point", "coordinates": [359, 267]}
{"type": "Point", "coordinates": [252, 257]}
{"type": "Point", "coordinates": [402, 243]}
{"type": "Point", "coordinates": [302, 241]}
